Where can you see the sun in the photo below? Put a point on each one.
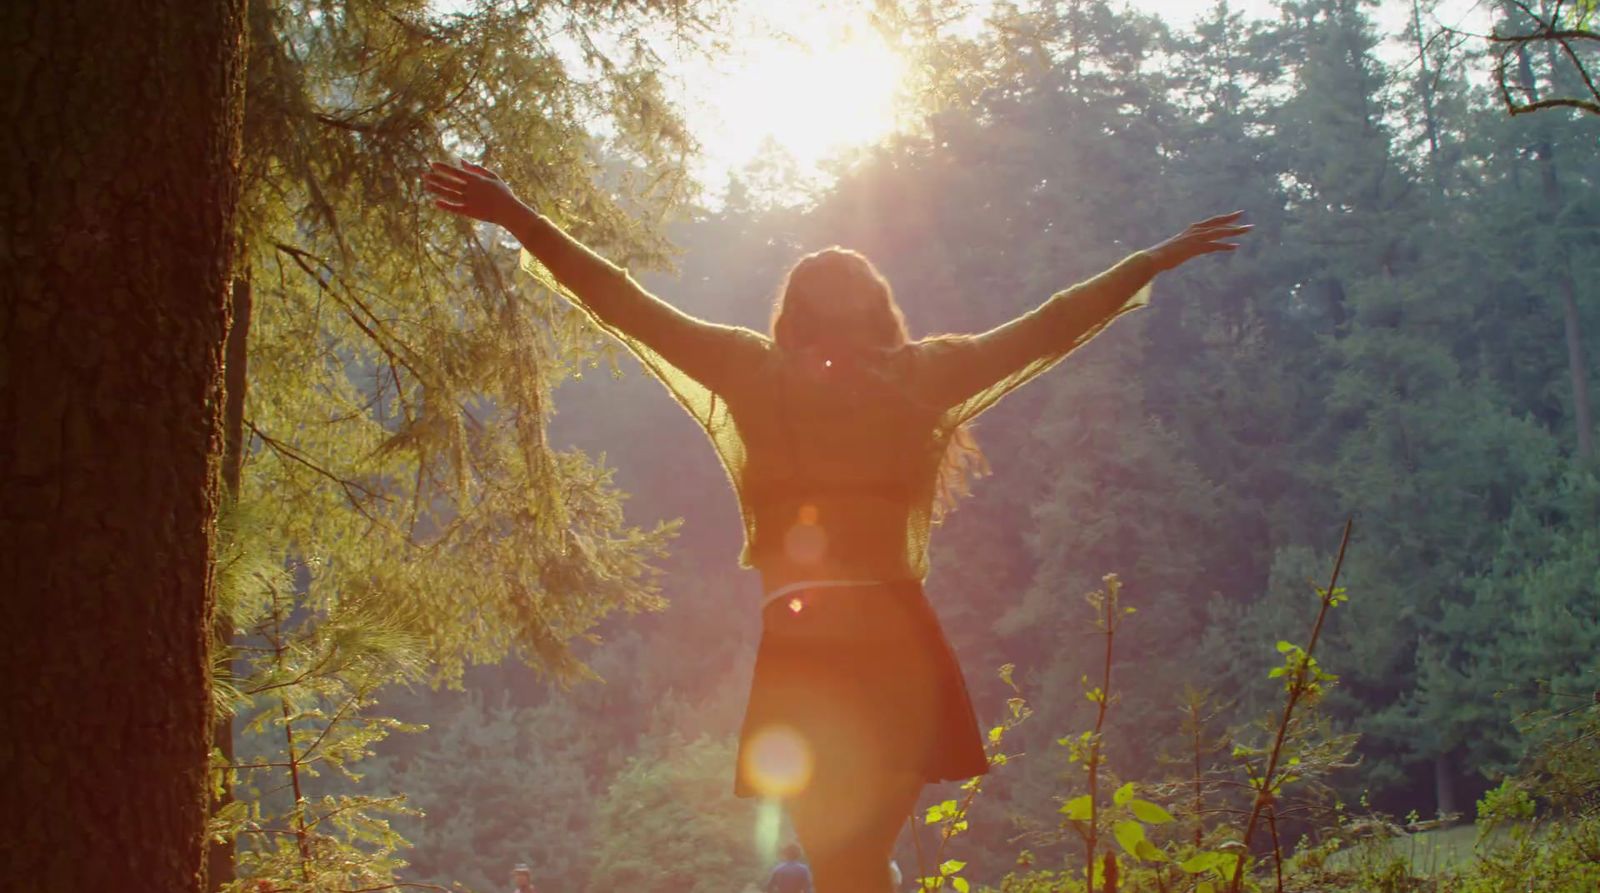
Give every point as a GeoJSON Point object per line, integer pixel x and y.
{"type": "Point", "coordinates": [823, 84]}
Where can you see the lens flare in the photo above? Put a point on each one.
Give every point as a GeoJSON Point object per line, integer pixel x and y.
{"type": "Point", "coordinates": [777, 761]}
{"type": "Point", "coordinates": [805, 542]}
{"type": "Point", "coordinates": [769, 824]}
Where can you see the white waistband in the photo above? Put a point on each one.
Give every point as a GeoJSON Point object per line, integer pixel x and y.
{"type": "Point", "coordinates": [782, 591]}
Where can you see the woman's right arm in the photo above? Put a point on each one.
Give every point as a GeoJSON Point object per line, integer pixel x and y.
{"type": "Point", "coordinates": [711, 354]}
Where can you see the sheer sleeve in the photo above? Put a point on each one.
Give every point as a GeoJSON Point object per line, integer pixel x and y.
{"type": "Point", "coordinates": [970, 373]}
{"type": "Point", "coordinates": [698, 361]}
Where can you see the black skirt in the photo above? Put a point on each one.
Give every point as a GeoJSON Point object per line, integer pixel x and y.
{"type": "Point", "coordinates": [853, 682]}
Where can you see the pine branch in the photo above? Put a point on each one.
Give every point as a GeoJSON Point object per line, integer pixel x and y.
{"type": "Point", "coordinates": [350, 487]}
{"type": "Point", "coordinates": [370, 326]}
{"type": "Point", "coordinates": [1586, 105]}
{"type": "Point", "coordinates": [1547, 33]}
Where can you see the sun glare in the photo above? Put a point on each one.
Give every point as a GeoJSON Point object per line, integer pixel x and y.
{"type": "Point", "coordinates": [777, 761]}
{"type": "Point", "coordinates": [825, 85]}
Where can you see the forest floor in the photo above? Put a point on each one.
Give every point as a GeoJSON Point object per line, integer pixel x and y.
{"type": "Point", "coordinates": [1425, 852]}
{"type": "Point", "coordinates": [1429, 851]}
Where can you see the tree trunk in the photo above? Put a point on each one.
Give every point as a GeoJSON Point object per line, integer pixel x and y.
{"type": "Point", "coordinates": [1426, 88]}
{"type": "Point", "coordinates": [122, 148]}
{"type": "Point", "coordinates": [1577, 370]}
{"type": "Point", "coordinates": [1554, 197]}
{"type": "Point", "coordinates": [235, 365]}
{"type": "Point", "coordinates": [1444, 786]}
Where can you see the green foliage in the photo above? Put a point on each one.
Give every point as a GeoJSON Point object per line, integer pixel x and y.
{"type": "Point", "coordinates": [1127, 818]}
{"type": "Point", "coordinates": [396, 459]}
{"type": "Point", "coordinates": [669, 821]}
{"type": "Point", "coordinates": [950, 817]}
{"type": "Point", "coordinates": [309, 679]}
{"type": "Point", "coordinates": [1538, 827]}
{"type": "Point", "coordinates": [399, 384]}
{"type": "Point", "coordinates": [493, 785]}
{"type": "Point", "coordinates": [1391, 344]}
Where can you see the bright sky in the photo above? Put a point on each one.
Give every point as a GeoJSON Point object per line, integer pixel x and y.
{"type": "Point", "coordinates": [827, 82]}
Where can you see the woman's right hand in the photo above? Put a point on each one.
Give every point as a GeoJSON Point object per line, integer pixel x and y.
{"type": "Point", "coordinates": [1206, 237]}
{"type": "Point", "coordinates": [471, 190]}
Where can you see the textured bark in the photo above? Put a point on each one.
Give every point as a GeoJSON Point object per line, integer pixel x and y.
{"type": "Point", "coordinates": [116, 206]}
{"type": "Point", "coordinates": [235, 365]}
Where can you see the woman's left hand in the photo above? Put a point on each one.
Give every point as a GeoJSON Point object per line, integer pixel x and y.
{"type": "Point", "coordinates": [1206, 237]}
{"type": "Point", "coordinates": [471, 190]}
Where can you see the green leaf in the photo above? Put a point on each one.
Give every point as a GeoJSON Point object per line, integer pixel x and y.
{"type": "Point", "coordinates": [1078, 809]}
{"type": "Point", "coordinates": [947, 809]}
{"type": "Point", "coordinates": [1205, 887]}
{"type": "Point", "coordinates": [1123, 794]}
{"type": "Point", "coordinates": [1148, 812]}
{"type": "Point", "coordinates": [960, 883]}
{"type": "Point", "coordinates": [1202, 862]}
{"type": "Point", "coordinates": [1284, 647]}
{"type": "Point", "coordinates": [951, 866]}
{"type": "Point", "coordinates": [1228, 862]}
{"type": "Point", "coordinates": [1150, 853]}
{"type": "Point", "coordinates": [995, 733]}
{"type": "Point", "coordinates": [1129, 834]}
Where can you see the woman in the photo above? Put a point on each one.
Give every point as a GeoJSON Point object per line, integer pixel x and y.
{"type": "Point", "coordinates": [844, 441]}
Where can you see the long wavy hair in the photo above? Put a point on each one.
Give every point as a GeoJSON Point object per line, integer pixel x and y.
{"type": "Point", "coordinates": [836, 301]}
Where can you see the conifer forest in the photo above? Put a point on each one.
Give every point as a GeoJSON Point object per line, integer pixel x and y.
{"type": "Point", "coordinates": [342, 554]}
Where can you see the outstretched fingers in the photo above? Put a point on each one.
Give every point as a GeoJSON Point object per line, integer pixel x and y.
{"type": "Point", "coordinates": [1228, 232]}
{"type": "Point", "coordinates": [480, 170]}
{"type": "Point", "coordinates": [449, 170]}
{"type": "Point", "coordinates": [444, 178]}
{"type": "Point", "coordinates": [1206, 241]}
{"type": "Point", "coordinates": [444, 188]}
{"type": "Point", "coordinates": [1219, 220]}
{"type": "Point", "coordinates": [447, 184]}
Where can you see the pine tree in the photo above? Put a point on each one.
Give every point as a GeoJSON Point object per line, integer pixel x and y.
{"type": "Point", "coordinates": [668, 822]}
{"type": "Point", "coordinates": [497, 785]}
{"type": "Point", "coordinates": [394, 451]}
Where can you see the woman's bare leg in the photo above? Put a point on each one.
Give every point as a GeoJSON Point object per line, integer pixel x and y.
{"type": "Point", "coordinates": [848, 825]}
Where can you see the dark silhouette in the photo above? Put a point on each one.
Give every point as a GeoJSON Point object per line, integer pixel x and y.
{"type": "Point", "coordinates": [117, 229]}
{"type": "Point", "coordinates": [845, 441]}
{"type": "Point", "coordinates": [789, 876]}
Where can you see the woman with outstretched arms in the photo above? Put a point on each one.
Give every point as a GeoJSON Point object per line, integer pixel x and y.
{"type": "Point", "coordinates": [844, 441]}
